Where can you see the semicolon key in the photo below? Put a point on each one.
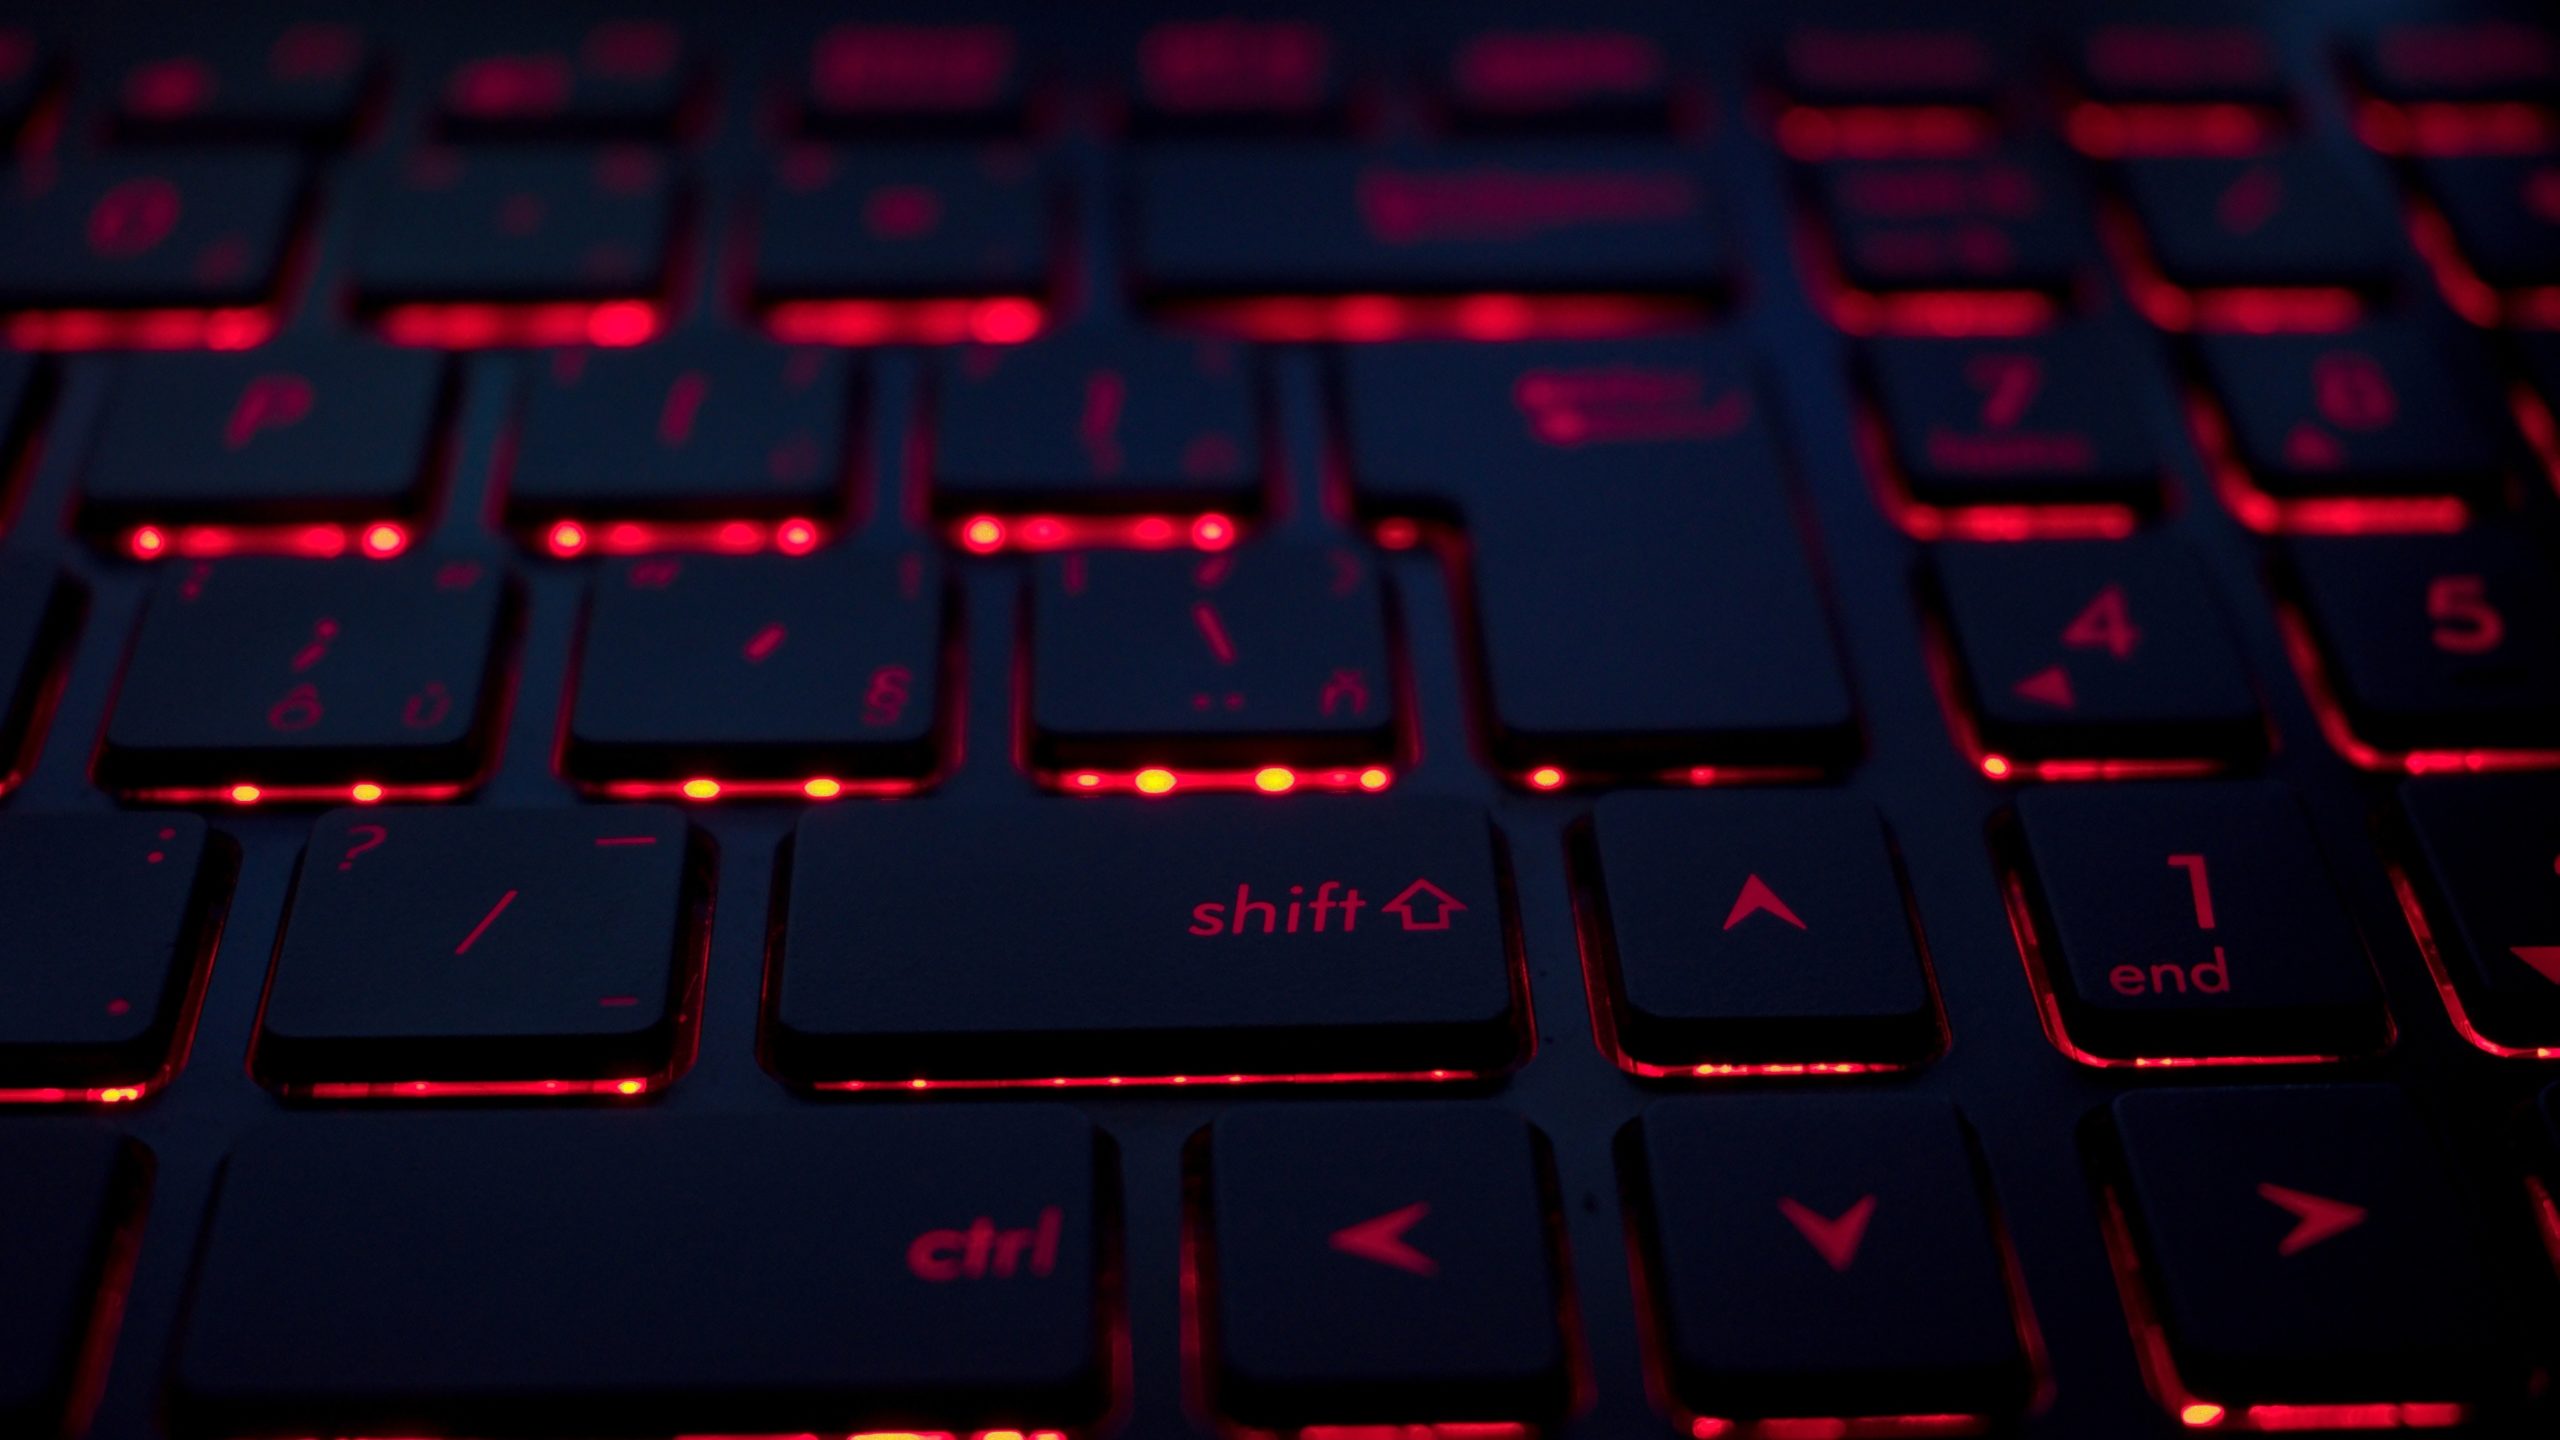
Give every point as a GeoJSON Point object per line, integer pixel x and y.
{"type": "Point", "coordinates": [944, 1270]}
{"type": "Point", "coordinates": [434, 951]}
{"type": "Point", "coordinates": [111, 922]}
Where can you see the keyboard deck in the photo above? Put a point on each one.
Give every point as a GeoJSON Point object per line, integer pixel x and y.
{"type": "Point", "coordinates": [1396, 723]}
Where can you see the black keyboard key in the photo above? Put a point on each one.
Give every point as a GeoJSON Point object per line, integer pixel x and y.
{"type": "Point", "coordinates": [1227, 220]}
{"type": "Point", "coordinates": [1275, 653]}
{"type": "Point", "coordinates": [514, 226]}
{"type": "Point", "coordinates": [1073, 426]}
{"type": "Point", "coordinates": [2302, 1249]}
{"type": "Point", "coordinates": [2504, 211]}
{"type": "Point", "coordinates": [2155, 63]}
{"type": "Point", "coordinates": [25, 389]}
{"type": "Point", "coordinates": [473, 951]}
{"type": "Point", "coordinates": [38, 611]}
{"type": "Point", "coordinates": [111, 920]}
{"type": "Point", "coordinates": [304, 676]}
{"type": "Point", "coordinates": [2010, 219]}
{"type": "Point", "coordinates": [1379, 1265]}
{"type": "Point", "coordinates": [2295, 217]}
{"type": "Point", "coordinates": [363, 1274]}
{"type": "Point", "coordinates": [1231, 73]}
{"type": "Point", "coordinates": [1581, 497]}
{"type": "Point", "coordinates": [308, 430]}
{"type": "Point", "coordinates": [1216, 938]}
{"type": "Point", "coordinates": [2034, 420]}
{"type": "Point", "coordinates": [2488, 864]}
{"type": "Point", "coordinates": [1580, 77]}
{"type": "Point", "coordinates": [1822, 1260]}
{"type": "Point", "coordinates": [2437, 641]}
{"type": "Point", "coordinates": [2096, 651]}
{"type": "Point", "coordinates": [723, 429]}
{"type": "Point", "coordinates": [298, 83]}
{"type": "Point", "coordinates": [2193, 921]}
{"type": "Point", "coordinates": [1748, 931]}
{"type": "Point", "coordinates": [901, 224]}
{"type": "Point", "coordinates": [2393, 406]}
{"type": "Point", "coordinates": [620, 77]}
{"type": "Point", "coordinates": [70, 1205]}
{"type": "Point", "coordinates": [868, 77]}
{"type": "Point", "coordinates": [185, 228]}
{"type": "Point", "coordinates": [1836, 66]}
{"type": "Point", "coordinates": [26, 75]}
{"type": "Point", "coordinates": [815, 671]}
{"type": "Point", "coordinates": [2460, 60]}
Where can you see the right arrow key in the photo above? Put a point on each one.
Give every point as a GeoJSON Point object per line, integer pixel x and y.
{"type": "Point", "coordinates": [2296, 1258]}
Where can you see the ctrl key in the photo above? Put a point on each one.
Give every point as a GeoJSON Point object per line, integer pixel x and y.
{"type": "Point", "coordinates": [895, 1269]}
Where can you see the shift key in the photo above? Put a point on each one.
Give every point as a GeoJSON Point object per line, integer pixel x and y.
{"type": "Point", "coordinates": [1223, 938]}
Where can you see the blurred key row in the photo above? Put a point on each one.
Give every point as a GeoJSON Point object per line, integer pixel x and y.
{"type": "Point", "coordinates": [646, 77]}
{"type": "Point", "coordinates": [447, 951]}
{"type": "Point", "coordinates": [477, 246]}
{"type": "Point", "coordinates": [2288, 1257]}
{"type": "Point", "coordinates": [317, 447]}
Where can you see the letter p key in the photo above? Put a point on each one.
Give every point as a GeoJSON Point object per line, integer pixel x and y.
{"type": "Point", "coordinates": [267, 402]}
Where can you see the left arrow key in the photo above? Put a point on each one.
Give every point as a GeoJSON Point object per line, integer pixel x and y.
{"type": "Point", "coordinates": [1378, 1266]}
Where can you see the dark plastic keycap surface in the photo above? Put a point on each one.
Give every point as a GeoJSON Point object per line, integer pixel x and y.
{"type": "Point", "coordinates": [1822, 1260]}
{"type": "Point", "coordinates": [2194, 920]}
{"type": "Point", "coordinates": [109, 919]}
{"type": "Point", "coordinates": [64, 1196]}
{"type": "Point", "coordinates": [1373, 1264]}
{"type": "Point", "coordinates": [1274, 651]}
{"type": "Point", "coordinates": [1219, 936]}
{"type": "Point", "coordinates": [761, 667]}
{"type": "Point", "coordinates": [452, 947]}
{"type": "Point", "coordinates": [735, 1275]}
{"type": "Point", "coordinates": [2304, 1245]}
{"type": "Point", "coordinates": [1744, 930]}
{"type": "Point", "coordinates": [313, 430]}
{"type": "Point", "coordinates": [308, 672]}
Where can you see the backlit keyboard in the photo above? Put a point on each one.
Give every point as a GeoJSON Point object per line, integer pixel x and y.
{"type": "Point", "coordinates": [1278, 722]}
